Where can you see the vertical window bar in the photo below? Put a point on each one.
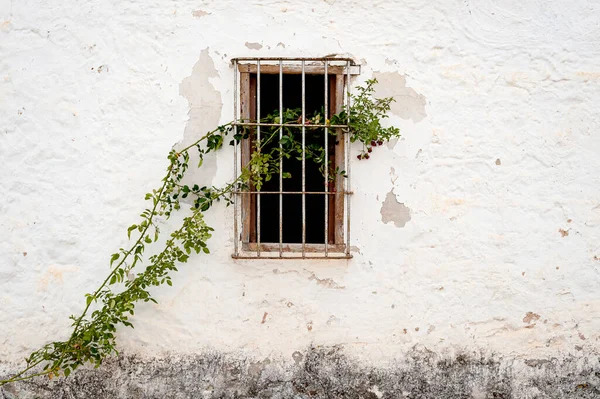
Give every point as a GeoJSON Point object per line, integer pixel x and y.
{"type": "Point", "coordinates": [348, 187]}
{"type": "Point", "coordinates": [280, 159]}
{"type": "Point", "coordinates": [258, 149]}
{"type": "Point", "coordinates": [303, 160]}
{"type": "Point", "coordinates": [235, 159]}
{"type": "Point", "coordinates": [326, 160]}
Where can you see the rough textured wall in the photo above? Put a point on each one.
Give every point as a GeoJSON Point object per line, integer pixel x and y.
{"type": "Point", "coordinates": [476, 240]}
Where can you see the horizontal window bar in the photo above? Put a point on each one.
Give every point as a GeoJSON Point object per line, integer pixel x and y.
{"type": "Point", "coordinates": [297, 69]}
{"type": "Point", "coordinates": [296, 192]}
{"type": "Point", "coordinates": [238, 59]}
{"type": "Point", "coordinates": [311, 250]}
{"type": "Point", "coordinates": [292, 257]}
{"type": "Point", "coordinates": [289, 125]}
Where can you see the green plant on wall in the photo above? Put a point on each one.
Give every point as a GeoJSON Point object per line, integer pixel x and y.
{"type": "Point", "coordinates": [112, 304]}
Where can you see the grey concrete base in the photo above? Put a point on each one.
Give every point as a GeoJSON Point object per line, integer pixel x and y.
{"type": "Point", "coordinates": [323, 373]}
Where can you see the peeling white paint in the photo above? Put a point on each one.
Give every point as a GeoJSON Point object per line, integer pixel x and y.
{"type": "Point", "coordinates": [407, 104]}
{"type": "Point", "coordinates": [394, 211]}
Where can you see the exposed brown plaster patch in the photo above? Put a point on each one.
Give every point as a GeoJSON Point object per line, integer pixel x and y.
{"type": "Point", "coordinates": [277, 271]}
{"type": "Point", "coordinates": [409, 104]}
{"type": "Point", "coordinates": [253, 45]}
{"type": "Point", "coordinates": [309, 326]}
{"type": "Point", "coordinates": [200, 13]}
{"type": "Point", "coordinates": [393, 177]}
{"type": "Point", "coordinates": [205, 111]}
{"type": "Point", "coordinates": [530, 316]}
{"type": "Point", "coordinates": [326, 282]}
{"type": "Point", "coordinates": [498, 162]}
{"type": "Point", "coordinates": [55, 275]}
{"type": "Point", "coordinates": [563, 232]}
{"type": "Point", "coordinates": [394, 211]}
{"type": "Point", "coordinates": [264, 318]}
{"type": "Point", "coordinates": [392, 143]}
{"type": "Point", "coordinates": [281, 44]}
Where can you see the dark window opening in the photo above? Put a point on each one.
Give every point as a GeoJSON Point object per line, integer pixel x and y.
{"type": "Point", "coordinates": [314, 179]}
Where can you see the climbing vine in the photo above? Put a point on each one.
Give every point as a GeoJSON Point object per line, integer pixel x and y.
{"type": "Point", "coordinates": [113, 303]}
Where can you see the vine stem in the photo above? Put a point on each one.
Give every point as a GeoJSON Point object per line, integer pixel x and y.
{"type": "Point", "coordinates": [365, 128]}
{"type": "Point", "coordinates": [143, 233]}
{"type": "Point", "coordinates": [27, 377]}
{"type": "Point", "coordinates": [17, 377]}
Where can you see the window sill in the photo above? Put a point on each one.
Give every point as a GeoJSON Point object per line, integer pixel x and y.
{"type": "Point", "coordinates": [292, 251]}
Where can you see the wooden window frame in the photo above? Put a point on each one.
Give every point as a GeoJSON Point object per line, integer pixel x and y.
{"type": "Point", "coordinates": [338, 72]}
{"type": "Point", "coordinates": [247, 100]}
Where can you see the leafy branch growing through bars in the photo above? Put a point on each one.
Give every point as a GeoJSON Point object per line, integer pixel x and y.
{"type": "Point", "coordinates": [93, 336]}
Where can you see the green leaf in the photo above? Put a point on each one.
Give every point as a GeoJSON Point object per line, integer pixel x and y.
{"type": "Point", "coordinates": [67, 372]}
{"type": "Point", "coordinates": [114, 257]}
{"type": "Point", "coordinates": [169, 282]}
{"type": "Point", "coordinates": [130, 229]}
{"type": "Point", "coordinates": [113, 279]}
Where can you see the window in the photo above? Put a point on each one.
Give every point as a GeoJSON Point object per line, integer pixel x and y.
{"type": "Point", "coordinates": [304, 212]}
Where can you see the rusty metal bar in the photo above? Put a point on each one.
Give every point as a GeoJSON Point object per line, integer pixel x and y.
{"type": "Point", "coordinates": [258, 149]}
{"type": "Point", "coordinates": [288, 257]}
{"type": "Point", "coordinates": [294, 192]}
{"type": "Point", "coordinates": [311, 69]}
{"type": "Point", "coordinates": [349, 61]}
{"type": "Point", "coordinates": [326, 160]}
{"type": "Point", "coordinates": [280, 159]}
{"type": "Point", "coordinates": [316, 125]}
{"type": "Point", "coordinates": [348, 160]}
{"type": "Point", "coordinates": [235, 159]}
{"type": "Point", "coordinates": [303, 159]}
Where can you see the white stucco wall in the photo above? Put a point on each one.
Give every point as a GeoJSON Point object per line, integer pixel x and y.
{"type": "Point", "coordinates": [498, 167]}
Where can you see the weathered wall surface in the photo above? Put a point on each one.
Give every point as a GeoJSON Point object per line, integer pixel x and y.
{"type": "Point", "coordinates": [477, 248]}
